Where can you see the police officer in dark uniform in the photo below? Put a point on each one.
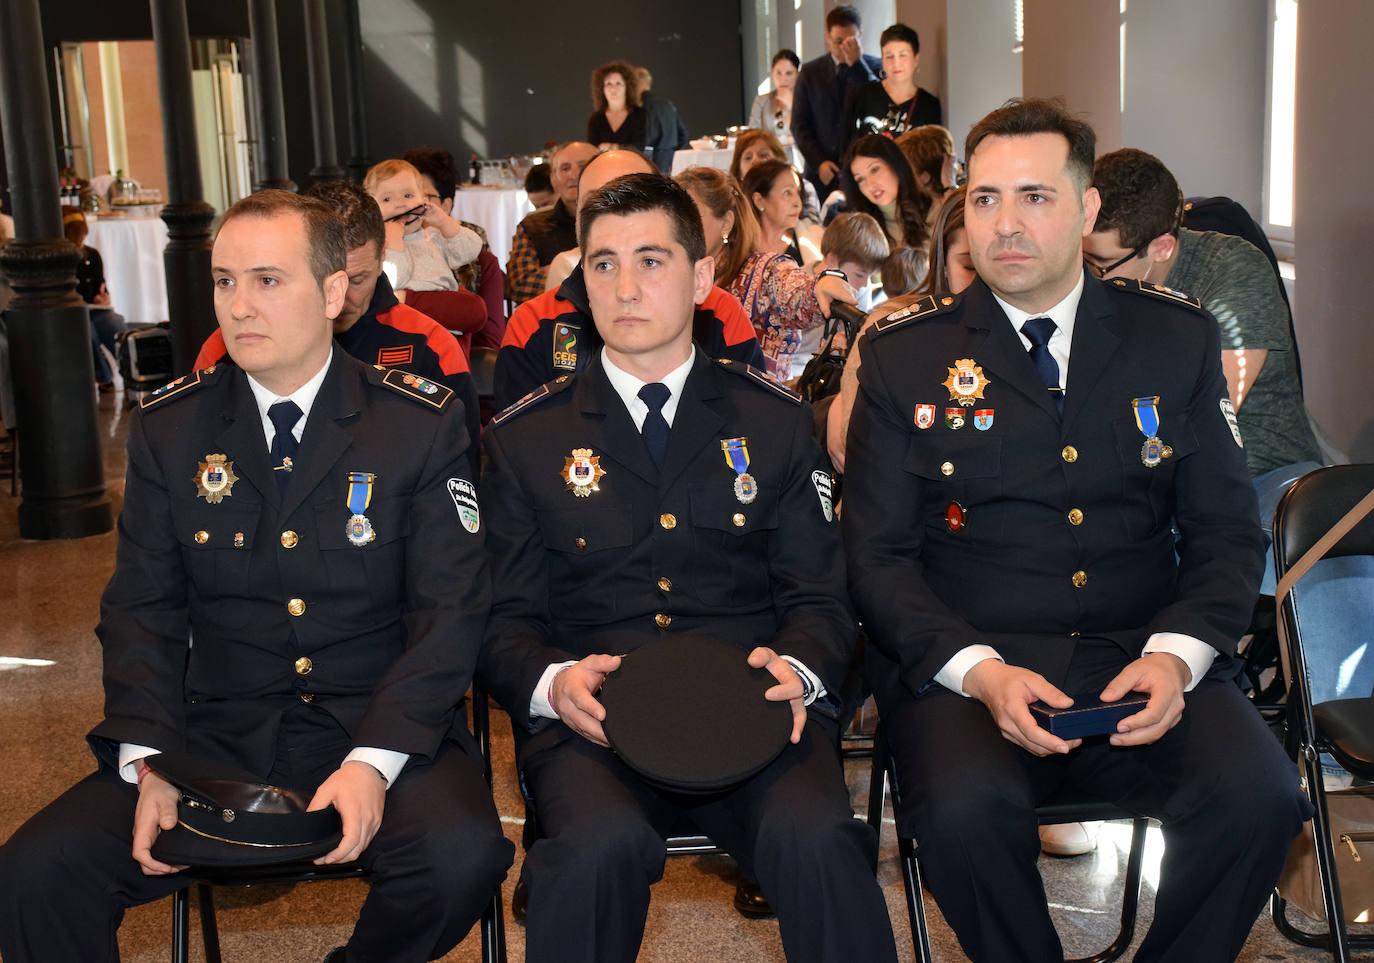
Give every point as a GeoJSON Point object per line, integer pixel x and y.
{"type": "Point", "coordinates": [300, 592]}
{"type": "Point", "coordinates": [1016, 460]}
{"type": "Point", "coordinates": [654, 492]}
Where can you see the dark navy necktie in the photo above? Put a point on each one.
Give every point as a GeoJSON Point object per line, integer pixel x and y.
{"type": "Point", "coordinates": [655, 430]}
{"type": "Point", "coordinates": [283, 415]}
{"type": "Point", "coordinates": [1039, 331]}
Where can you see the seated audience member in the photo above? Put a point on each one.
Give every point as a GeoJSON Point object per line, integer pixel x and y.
{"type": "Point", "coordinates": [618, 118]}
{"type": "Point", "coordinates": [346, 693]}
{"type": "Point", "coordinates": [439, 181]}
{"type": "Point", "coordinates": [772, 112]}
{"type": "Point", "coordinates": [540, 236]}
{"type": "Point", "coordinates": [878, 181]}
{"type": "Point", "coordinates": [424, 244]}
{"type": "Point", "coordinates": [775, 592]}
{"type": "Point", "coordinates": [902, 270]}
{"type": "Point", "coordinates": [1093, 533]}
{"type": "Point", "coordinates": [896, 103]}
{"type": "Point", "coordinates": [773, 190]}
{"type": "Point", "coordinates": [106, 323]}
{"type": "Point", "coordinates": [539, 187]}
{"type": "Point", "coordinates": [553, 335]}
{"type": "Point", "coordinates": [782, 300]}
{"type": "Point", "coordinates": [951, 271]}
{"type": "Point", "coordinates": [373, 325]}
{"type": "Point", "coordinates": [754, 146]}
{"type": "Point", "coordinates": [1139, 236]}
{"type": "Point", "coordinates": [664, 131]}
{"type": "Point", "coordinates": [929, 149]}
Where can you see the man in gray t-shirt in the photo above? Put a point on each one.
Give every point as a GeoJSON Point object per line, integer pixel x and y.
{"type": "Point", "coordinates": [1138, 235]}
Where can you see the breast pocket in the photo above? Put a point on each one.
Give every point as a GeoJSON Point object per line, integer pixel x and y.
{"type": "Point", "coordinates": [730, 543]}
{"type": "Point", "coordinates": [364, 556]}
{"type": "Point", "coordinates": [216, 546]}
{"type": "Point", "coordinates": [1177, 440]}
{"type": "Point", "coordinates": [955, 467]}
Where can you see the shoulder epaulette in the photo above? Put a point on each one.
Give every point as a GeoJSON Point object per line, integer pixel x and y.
{"type": "Point", "coordinates": [922, 308]}
{"type": "Point", "coordinates": [416, 388]}
{"type": "Point", "coordinates": [178, 388]}
{"type": "Point", "coordinates": [533, 398]}
{"type": "Point", "coordinates": [1156, 290]}
{"type": "Point", "coordinates": [758, 377]}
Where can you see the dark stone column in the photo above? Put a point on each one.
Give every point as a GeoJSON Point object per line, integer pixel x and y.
{"type": "Point", "coordinates": [47, 322]}
{"type": "Point", "coordinates": [321, 95]}
{"type": "Point", "coordinates": [186, 260]}
{"type": "Point", "coordinates": [357, 93]}
{"type": "Point", "coordinates": [267, 98]}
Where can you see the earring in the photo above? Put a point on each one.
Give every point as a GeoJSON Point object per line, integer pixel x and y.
{"type": "Point", "coordinates": [725, 238]}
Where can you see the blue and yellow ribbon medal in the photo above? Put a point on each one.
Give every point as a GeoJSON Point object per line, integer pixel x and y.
{"type": "Point", "coordinates": [1147, 420]}
{"type": "Point", "coordinates": [359, 529]}
{"type": "Point", "coordinates": [737, 457]}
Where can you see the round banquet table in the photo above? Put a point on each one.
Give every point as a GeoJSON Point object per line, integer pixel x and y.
{"type": "Point", "coordinates": [131, 249]}
{"type": "Point", "coordinates": [720, 158]}
{"type": "Point", "coordinates": [496, 209]}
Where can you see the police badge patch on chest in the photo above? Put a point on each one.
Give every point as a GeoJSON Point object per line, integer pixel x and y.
{"type": "Point", "coordinates": [215, 478]}
{"type": "Point", "coordinates": [582, 471]}
{"type": "Point", "coordinates": [966, 382]}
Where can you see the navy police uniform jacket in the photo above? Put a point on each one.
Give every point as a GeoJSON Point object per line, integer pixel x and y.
{"type": "Point", "coordinates": [230, 604]}
{"type": "Point", "coordinates": [553, 334]}
{"type": "Point", "coordinates": [1026, 531]}
{"type": "Point", "coordinates": [640, 552]}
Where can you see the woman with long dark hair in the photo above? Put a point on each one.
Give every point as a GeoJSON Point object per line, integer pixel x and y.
{"type": "Point", "coordinates": [877, 180]}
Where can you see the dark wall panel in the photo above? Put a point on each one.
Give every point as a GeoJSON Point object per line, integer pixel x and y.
{"type": "Point", "coordinates": [501, 78]}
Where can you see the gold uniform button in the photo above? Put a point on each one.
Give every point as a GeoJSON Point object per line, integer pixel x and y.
{"type": "Point", "coordinates": [303, 666]}
{"type": "Point", "coordinates": [665, 584]}
{"type": "Point", "coordinates": [947, 468]}
{"type": "Point", "coordinates": [1075, 516]}
{"type": "Point", "coordinates": [1074, 634]}
{"type": "Point", "coordinates": [289, 539]}
{"type": "Point", "coordinates": [580, 542]}
{"type": "Point", "coordinates": [1069, 454]}
{"type": "Point", "coordinates": [667, 520]}
{"type": "Point", "coordinates": [1167, 451]}
{"type": "Point", "coordinates": [307, 697]}
{"type": "Point", "coordinates": [662, 620]}
{"type": "Point", "coordinates": [1080, 578]}
{"type": "Point", "coordinates": [296, 606]}
{"type": "Point", "coordinates": [738, 519]}
{"type": "Point", "coordinates": [202, 537]}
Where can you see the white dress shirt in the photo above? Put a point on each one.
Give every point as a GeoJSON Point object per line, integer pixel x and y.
{"type": "Point", "coordinates": [388, 762]}
{"type": "Point", "coordinates": [1195, 653]}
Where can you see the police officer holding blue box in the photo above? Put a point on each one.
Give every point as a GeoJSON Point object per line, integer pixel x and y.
{"type": "Point", "coordinates": [1018, 459]}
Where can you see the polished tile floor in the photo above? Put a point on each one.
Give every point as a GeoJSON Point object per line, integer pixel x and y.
{"type": "Point", "coordinates": [50, 696]}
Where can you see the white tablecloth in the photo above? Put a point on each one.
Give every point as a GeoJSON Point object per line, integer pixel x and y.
{"type": "Point", "coordinates": [131, 249]}
{"type": "Point", "coordinates": [497, 209]}
{"type": "Point", "coordinates": [720, 159]}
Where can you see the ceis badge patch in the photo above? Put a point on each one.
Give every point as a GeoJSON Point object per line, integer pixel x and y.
{"type": "Point", "coordinates": [465, 500]}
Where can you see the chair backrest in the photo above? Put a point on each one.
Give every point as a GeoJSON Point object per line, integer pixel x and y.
{"type": "Point", "coordinates": [1329, 613]}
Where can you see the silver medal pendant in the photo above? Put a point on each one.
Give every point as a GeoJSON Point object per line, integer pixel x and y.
{"type": "Point", "coordinates": [359, 530]}
{"type": "Point", "coordinates": [746, 489]}
{"type": "Point", "coordinates": [1151, 452]}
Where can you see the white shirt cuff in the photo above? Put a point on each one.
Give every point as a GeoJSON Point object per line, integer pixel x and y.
{"type": "Point", "coordinates": [129, 755]}
{"type": "Point", "coordinates": [388, 762]}
{"type": "Point", "coordinates": [1195, 653]}
{"type": "Point", "coordinates": [816, 686]}
{"type": "Point", "coordinates": [951, 676]}
{"type": "Point", "coordinates": [540, 706]}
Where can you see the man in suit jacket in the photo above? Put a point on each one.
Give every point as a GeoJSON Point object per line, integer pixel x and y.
{"type": "Point", "coordinates": [823, 88]}
{"type": "Point", "coordinates": [1035, 560]}
{"type": "Point", "coordinates": [655, 534]}
{"type": "Point", "coordinates": [308, 524]}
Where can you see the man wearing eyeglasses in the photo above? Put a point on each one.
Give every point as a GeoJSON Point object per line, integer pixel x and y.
{"type": "Point", "coordinates": [1139, 236]}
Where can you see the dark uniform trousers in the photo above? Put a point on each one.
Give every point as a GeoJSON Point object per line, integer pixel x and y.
{"type": "Point", "coordinates": [1050, 538]}
{"type": "Point", "coordinates": [305, 643]}
{"type": "Point", "coordinates": [648, 553]}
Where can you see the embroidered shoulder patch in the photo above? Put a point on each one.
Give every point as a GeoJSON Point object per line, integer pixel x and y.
{"type": "Point", "coordinates": [533, 398]}
{"type": "Point", "coordinates": [921, 308]}
{"type": "Point", "coordinates": [176, 388]}
{"type": "Point", "coordinates": [1156, 290]}
{"type": "Point", "coordinates": [417, 388]}
{"type": "Point", "coordinates": [757, 376]}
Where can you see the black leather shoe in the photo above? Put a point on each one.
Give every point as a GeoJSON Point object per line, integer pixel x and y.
{"type": "Point", "coordinates": [750, 901]}
{"type": "Point", "coordinates": [519, 901]}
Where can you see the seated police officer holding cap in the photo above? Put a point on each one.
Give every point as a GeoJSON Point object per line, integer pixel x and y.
{"type": "Point", "coordinates": [299, 594]}
{"type": "Point", "coordinates": [652, 494]}
{"type": "Point", "coordinates": [1018, 461]}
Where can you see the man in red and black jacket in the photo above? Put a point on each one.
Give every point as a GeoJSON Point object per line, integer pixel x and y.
{"type": "Point", "coordinates": [374, 326]}
{"type": "Point", "coordinates": [553, 334]}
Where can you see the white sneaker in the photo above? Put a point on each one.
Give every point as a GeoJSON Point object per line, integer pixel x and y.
{"type": "Point", "coordinates": [1068, 839]}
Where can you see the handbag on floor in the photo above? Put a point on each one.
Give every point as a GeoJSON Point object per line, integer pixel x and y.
{"type": "Point", "coordinates": [1352, 838]}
